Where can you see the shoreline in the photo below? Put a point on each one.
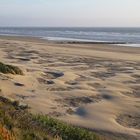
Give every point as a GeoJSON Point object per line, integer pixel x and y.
{"type": "Point", "coordinates": [72, 41]}
{"type": "Point", "coordinates": [101, 47]}
{"type": "Point", "coordinates": [93, 86]}
{"type": "Point", "coordinates": [97, 47]}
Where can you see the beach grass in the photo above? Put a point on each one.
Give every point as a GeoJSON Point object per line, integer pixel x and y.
{"type": "Point", "coordinates": [10, 69]}
{"type": "Point", "coordinates": [22, 125]}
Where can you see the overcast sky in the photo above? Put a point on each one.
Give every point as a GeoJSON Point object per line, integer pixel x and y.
{"type": "Point", "coordinates": [70, 13]}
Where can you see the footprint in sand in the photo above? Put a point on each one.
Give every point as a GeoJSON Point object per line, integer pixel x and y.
{"type": "Point", "coordinates": [129, 120]}
{"type": "Point", "coordinates": [52, 74]}
{"type": "Point", "coordinates": [102, 75]}
{"type": "Point", "coordinates": [71, 82]}
{"type": "Point", "coordinates": [78, 101]}
{"type": "Point", "coordinates": [23, 97]}
{"type": "Point", "coordinates": [96, 85]}
{"type": "Point", "coordinates": [121, 69]}
{"type": "Point", "coordinates": [137, 76]}
{"type": "Point", "coordinates": [134, 93]}
{"type": "Point", "coordinates": [44, 81]}
{"type": "Point", "coordinates": [19, 84]}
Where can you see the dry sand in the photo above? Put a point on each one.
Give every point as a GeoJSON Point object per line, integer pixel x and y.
{"type": "Point", "coordinates": [92, 86]}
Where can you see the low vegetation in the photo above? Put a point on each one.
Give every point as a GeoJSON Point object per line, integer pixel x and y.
{"type": "Point", "coordinates": [9, 69]}
{"type": "Point", "coordinates": [20, 124]}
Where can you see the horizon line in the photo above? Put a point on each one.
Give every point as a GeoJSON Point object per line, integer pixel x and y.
{"type": "Point", "coordinates": [69, 26]}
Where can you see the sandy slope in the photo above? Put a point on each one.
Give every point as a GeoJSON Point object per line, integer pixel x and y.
{"type": "Point", "coordinates": [93, 86]}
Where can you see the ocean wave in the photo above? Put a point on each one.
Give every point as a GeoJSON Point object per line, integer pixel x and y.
{"type": "Point", "coordinates": [129, 35]}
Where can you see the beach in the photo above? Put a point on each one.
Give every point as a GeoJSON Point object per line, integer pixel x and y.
{"type": "Point", "coordinates": [94, 86]}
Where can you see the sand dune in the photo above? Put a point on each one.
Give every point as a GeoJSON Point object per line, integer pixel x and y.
{"type": "Point", "coordinates": [92, 86]}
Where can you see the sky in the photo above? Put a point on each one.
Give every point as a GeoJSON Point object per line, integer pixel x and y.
{"type": "Point", "coordinates": [69, 13]}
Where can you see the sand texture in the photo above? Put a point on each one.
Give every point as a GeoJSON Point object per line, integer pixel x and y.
{"type": "Point", "coordinates": [91, 86]}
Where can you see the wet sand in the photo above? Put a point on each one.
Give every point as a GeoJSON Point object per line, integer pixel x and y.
{"type": "Point", "coordinates": [96, 86]}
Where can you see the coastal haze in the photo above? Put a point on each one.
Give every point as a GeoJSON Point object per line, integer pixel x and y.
{"type": "Point", "coordinates": [70, 69]}
{"type": "Point", "coordinates": [64, 13]}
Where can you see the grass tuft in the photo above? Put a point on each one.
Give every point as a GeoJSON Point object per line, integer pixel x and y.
{"type": "Point", "coordinates": [9, 69]}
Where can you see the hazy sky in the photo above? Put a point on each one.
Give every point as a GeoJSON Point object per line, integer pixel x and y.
{"type": "Point", "coordinates": [70, 13]}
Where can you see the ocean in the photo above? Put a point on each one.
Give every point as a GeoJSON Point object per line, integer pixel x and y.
{"type": "Point", "coordinates": [125, 35]}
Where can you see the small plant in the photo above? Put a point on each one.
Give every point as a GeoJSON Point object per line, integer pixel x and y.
{"type": "Point", "coordinates": [9, 69]}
